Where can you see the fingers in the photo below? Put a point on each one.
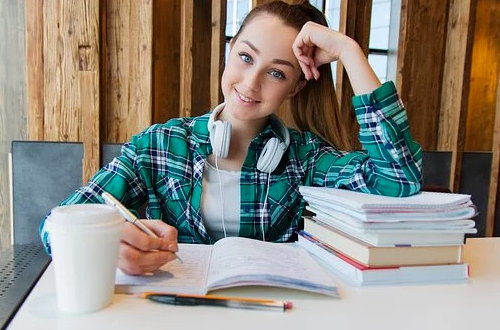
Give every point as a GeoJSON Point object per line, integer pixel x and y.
{"type": "Point", "coordinates": [298, 50]}
{"type": "Point", "coordinates": [309, 68]}
{"type": "Point", "coordinates": [305, 69]}
{"type": "Point", "coordinates": [140, 253]}
{"type": "Point", "coordinates": [136, 262]}
{"type": "Point", "coordinates": [315, 72]}
{"type": "Point", "coordinates": [167, 234]}
{"type": "Point", "coordinates": [304, 50]}
{"type": "Point", "coordinates": [135, 237]}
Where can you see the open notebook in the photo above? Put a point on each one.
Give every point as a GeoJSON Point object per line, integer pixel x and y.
{"type": "Point", "coordinates": [233, 261]}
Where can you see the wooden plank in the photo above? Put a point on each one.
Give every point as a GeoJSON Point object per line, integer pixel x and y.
{"type": "Point", "coordinates": [89, 91]}
{"type": "Point", "coordinates": [355, 18]}
{"type": "Point", "coordinates": [218, 51]}
{"type": "Point", "coordinates": [484, 79]}
{"type": "Point", "coordinates": [34, 68]}
{"type": "Point", "coordinates": [420, 65]}
{"type": "Point", "coordinates": [61, 19]}
{"type": "Point", "coordinates": [116, 91]}
{"type": "Point", "coordinates": [12, 100]}
{"type": "Point", "coordinates": [186, 67]}
{"type": "Point", "coordinates": [87, 37]}
{"type": "Point", "coordinates": [455, 84]}
{"type": "Point", "coordinates": [103, 69]}
{"type": "Point", "coordinates": [128, 68]}
{"type": "Point", "coordinates": [88, 78]}
{"type": "Point", "coordinates": [201, 46]}
{"type": "Point", "coordinates": [495, 168]}
{"type": "Point", "coordinates": [166, 59]}
{"type": "Point", "coordinates": [140, 110]}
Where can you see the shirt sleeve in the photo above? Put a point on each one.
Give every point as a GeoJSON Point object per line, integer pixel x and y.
{"type": "Point", "coordinates": [120, 178]}
{"type": "Point", "coordinates": [390, 162]}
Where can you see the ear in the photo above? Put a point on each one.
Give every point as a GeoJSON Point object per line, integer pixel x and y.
{"type": "Point", "coordinates": [298, 87]}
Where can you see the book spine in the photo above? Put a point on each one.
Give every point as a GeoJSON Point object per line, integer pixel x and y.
{"type": "Point", "coordinates": [331, 259]}
{"type": "Point", "coordinates": [352, 247]}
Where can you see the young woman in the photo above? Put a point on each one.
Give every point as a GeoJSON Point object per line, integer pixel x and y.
{"type": "Point", "coordinates": [236, 170]}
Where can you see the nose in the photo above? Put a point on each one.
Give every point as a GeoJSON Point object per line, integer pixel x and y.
{"type": "Point", "coordinates": [252, 80]}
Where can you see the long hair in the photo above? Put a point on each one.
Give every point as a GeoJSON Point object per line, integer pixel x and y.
{"type": "Point", "coordinates": [315, 108]}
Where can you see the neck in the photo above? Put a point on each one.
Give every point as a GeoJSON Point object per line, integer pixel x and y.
{"type": "Point", "coordinates": [243, 132]}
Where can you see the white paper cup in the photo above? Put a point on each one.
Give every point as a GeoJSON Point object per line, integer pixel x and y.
{"type": "Point", "coordinates": [84, 240]}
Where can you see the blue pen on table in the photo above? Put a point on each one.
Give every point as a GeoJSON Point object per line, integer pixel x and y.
{"type": "Point", "coordinates": [129, 216]}
{"type": "Point", "coordinates": [220, 301]}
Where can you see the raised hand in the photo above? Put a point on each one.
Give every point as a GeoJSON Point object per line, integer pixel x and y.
{"type": "Point", "coordinates": [316, 45]}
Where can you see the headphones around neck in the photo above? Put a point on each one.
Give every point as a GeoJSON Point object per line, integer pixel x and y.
{"type": "Point", "coordinates": [220, 136]}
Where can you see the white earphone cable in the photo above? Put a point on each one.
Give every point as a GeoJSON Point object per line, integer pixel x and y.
{"type": "Point", "coordinates": [264, 210]}
{"type": "Point", "coordinates": [221, 196]}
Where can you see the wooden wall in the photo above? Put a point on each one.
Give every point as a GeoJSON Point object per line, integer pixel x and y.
{"type": "Point", "coordinates": [482, 130]}
{"type": "Point", "coordinates": [105, 70]}
{"type": "Point", "coordinates": [485, 63]}
{"type": "Point", "coordinates": [100, 71]}
{"type": "Point", "coordinates": [448, 63]}
{"type": "Point", "coordinates": [419, 68]}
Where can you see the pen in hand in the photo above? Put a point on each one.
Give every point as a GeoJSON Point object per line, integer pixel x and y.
{"type": "Point", "coordinates": [129, 216]}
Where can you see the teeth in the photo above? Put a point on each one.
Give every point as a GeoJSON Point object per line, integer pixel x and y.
{"type": "Point", "coordinates": [246, 99]}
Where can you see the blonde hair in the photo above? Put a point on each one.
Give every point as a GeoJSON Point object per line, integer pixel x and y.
{"type": "Point", "coordinates": [315, 108]}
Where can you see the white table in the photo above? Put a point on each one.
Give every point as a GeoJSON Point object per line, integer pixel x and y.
{"type": "Point", "coordinates": [474, 305]}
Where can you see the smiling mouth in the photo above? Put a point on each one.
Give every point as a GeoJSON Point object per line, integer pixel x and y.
{"type": "Point", "coordinates": [245, 99]}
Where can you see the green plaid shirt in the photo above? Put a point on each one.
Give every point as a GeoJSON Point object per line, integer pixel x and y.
{"type": "Point", "coordinates": [164, 164]}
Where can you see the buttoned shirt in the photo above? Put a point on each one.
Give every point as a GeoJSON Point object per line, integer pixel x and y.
{"type": "Point", "coordinates": [163, 167]}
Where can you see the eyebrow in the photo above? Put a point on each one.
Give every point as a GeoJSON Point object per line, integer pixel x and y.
{"type": "Point", "coordinates": [276, 60]}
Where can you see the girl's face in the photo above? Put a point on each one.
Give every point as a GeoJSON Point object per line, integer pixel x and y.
{"type": "Point", "coordinates": [262, 70]}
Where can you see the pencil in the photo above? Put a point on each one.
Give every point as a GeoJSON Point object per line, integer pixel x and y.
{"type": "Point", "coordinates": [219, 301]}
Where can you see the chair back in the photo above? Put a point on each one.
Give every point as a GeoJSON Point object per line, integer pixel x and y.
{"type": "Point", "coordinates": [43, 175]}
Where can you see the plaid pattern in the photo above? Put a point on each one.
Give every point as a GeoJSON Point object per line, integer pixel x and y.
{"type": "Point", "coordinates": [164, 164]}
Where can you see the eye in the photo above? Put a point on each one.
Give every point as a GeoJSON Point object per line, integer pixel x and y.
{"type": "Point", "coordinates": [245, 57]}
{"type": "Point", "coordinates": [277, 74]}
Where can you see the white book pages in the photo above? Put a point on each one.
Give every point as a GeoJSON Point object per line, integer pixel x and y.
{"type": "Point", "coordinates": [460, 214]}
{"type": "Point", "coordinates": [463, 225]}
{"type": "Point", "coordinates": [364, 202]}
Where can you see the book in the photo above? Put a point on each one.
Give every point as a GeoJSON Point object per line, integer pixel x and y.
{"type": "Point", "coordinates": [230, 262]}
{"type": "Point", "coordinates": [465, 226]}
{"type": "Point", "coordinates": [408, 215]}
{"type": "Point", "coordinates": [393, 237]}
{"type": "Point", "coordinates": [365, 202]}
{"type": "Point", "coordinates": [371, 255]}
{"type": "Point", "coordinates": [344, 267]}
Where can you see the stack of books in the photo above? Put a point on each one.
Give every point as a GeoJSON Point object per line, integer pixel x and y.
{"type": "Point", "coordinates": [372, 239]}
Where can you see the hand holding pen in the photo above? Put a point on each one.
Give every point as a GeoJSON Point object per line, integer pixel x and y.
{"type": "Point", "coordinates": [139, 253]}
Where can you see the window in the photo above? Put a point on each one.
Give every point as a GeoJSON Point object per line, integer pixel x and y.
{"type": "Point", "coordinates": [379, 28]}
{"type": "Point", "coordinates": [236, 11]}
{"type": "Point", "coordinates": [379, 37]}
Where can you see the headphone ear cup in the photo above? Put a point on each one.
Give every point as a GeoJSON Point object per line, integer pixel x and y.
{"type": "Point", "coordinates": [220, 135]}
{"type": "Point", "coordinates": [271, 155]}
